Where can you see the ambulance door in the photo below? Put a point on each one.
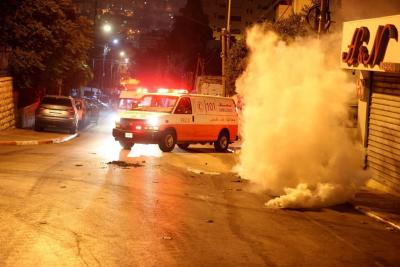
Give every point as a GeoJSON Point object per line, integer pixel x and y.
{"type": "Point", "coordinates": [184, 120]}
{"type": "Point", "coordinates": [202, 120]}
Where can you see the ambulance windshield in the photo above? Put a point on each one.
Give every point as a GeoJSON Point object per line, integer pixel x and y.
{"type": "Point", "coordinates": [128, 103]}
{"type": "Point", "coordinates": [157, 103]}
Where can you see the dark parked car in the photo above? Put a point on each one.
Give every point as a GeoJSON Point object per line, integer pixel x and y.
{"type": "Point", "coordinates": [57, 111]}
{"type": "Point", "coordinates": [93, 110]}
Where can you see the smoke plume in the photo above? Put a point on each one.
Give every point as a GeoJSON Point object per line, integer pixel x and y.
{"type": "Point", "coordinates": [295, 143]}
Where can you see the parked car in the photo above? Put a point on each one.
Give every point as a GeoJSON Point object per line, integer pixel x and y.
{"type": "Point", "coordinates": [93, 110]}
{"type": "Point", "coordinates": [102, 105]}
{"type": "Point", "coordinates": [57, 112]}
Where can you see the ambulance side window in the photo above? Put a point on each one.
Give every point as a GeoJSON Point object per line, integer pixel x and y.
{"type": "Point", "coordinates": [184, 106]}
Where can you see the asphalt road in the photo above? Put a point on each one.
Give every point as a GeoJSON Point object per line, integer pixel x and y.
{"type": "Point", "coordinates": [64, 205]}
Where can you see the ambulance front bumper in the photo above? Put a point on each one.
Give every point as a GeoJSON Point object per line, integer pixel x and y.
{"type": "Point", "coordinates": [145, 137]}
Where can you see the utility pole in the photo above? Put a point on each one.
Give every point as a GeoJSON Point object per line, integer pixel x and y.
{"type": "Point", "coordinates": [103, 74]}
{"type": "Point", "coordinates": [228, 26]}
{"type": "Point", "coordinates": [95, 17]}
{"type": "Point", "coordinates": [322, 17]}
{"type": "Point", "coordinates": [223, 57]}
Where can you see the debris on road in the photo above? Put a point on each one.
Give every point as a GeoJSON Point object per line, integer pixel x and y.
{"type": "Point", "coordinates": [78, 165]}
{"type": "Point", "coordinates": [125, 164]}
{"type": "Point", "coordinates": [202, 172]}
{"type": "Point", "coordinates": [166, 237]}
{"type": "Point", "coordinates": [210, 221]}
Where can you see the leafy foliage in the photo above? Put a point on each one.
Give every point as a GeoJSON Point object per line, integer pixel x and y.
{"type": "Point", "coordinates": [49, 43]}
{"type": "Point", "coordinates": [291, 27]}
{"type": "Point", "coordinates": [288, 28]}
{"type": "Point", "coordinates": [235, 64]}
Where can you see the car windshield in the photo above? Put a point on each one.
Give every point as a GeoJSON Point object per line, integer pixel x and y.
{"type": "Point", "coordinates": [57, 101]}
{"type": "Point", "coordinates": [157, 103]}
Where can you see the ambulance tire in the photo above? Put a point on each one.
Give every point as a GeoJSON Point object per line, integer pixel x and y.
{"type": "Point", "coordinates": [167, 141]}
{"type": "Point", "coordinates": [221, 145]}
{"type": "Point", "coordinates": [183, 146]}
{"type": "Point", "coordinates": [126, 144]}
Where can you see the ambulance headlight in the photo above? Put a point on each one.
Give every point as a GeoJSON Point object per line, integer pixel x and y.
{"type": "Point", "coordinates": [152, 124]}
{"type": "Point", "coordinates": [153, 121]}
{"type": "Point", "coordinates": [117, 121]}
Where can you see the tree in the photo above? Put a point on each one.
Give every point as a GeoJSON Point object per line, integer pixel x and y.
{"type": "Point", "coordinates": [188, 38]}
{"type": "Point", "coordinates": [49, 42]}
{"type": "Point", "coordinates": [288, 28]}
{"type": "Point", "coordinates": [235, 64]}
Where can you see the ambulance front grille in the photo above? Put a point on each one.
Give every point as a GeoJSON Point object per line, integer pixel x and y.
{"type": "Point", "coordinates": [128, 124]}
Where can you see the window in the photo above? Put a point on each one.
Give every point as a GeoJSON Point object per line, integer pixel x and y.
{"type": "Point", "coordinates": [156, 103]}
{"type": "Point", "coordinates": [236, 18]}
{"type": "Point", "coordinates": [184, 106]}
{"type": "Point", "coordinates": [236, 31]}
{"type": "Point", "coordinates": [128, 103]}
{"type": "Point", "coordinates": [57, 101]}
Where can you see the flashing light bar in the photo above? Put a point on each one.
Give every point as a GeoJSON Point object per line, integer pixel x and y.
{"type": "Point", "coordinates": [174, 91]}
{"type": "Point", "coordinates": [142, 90]}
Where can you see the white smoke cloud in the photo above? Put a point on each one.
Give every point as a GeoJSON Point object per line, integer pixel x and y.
{"type": "Point", "coordinates": [294, 142]}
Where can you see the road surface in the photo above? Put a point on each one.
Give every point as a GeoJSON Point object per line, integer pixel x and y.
{"type": "Point", "coordinates": [69, 204]}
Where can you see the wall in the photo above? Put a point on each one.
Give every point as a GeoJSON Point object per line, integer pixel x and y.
{"type": "Point", "coordinates": [7, 117]}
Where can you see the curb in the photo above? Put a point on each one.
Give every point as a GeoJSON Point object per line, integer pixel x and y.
{"type": "Point", "coordinates": [374, 215]}
{"type": "Point", "coordinates": [40, 142]}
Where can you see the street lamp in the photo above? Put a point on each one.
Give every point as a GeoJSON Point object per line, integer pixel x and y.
{"type": "Point", "coordinates": [107, 28]}
{"type": "Point", "coordinates": [122, 54]}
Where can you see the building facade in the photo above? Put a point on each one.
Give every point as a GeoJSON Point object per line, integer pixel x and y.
{"type": "Point", "coordinates": [243, 15]}
{"type": "Point", "coordinates": [370, 48]}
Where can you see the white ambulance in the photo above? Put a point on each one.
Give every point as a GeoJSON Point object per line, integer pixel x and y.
{"type": "Point", "coordinates": [167, 119]}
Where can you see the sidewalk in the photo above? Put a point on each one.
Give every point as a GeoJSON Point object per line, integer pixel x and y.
{"type": "Point", "coordinates": [382, 206]}
{"type": "Point", "coordinates": [30, 137]}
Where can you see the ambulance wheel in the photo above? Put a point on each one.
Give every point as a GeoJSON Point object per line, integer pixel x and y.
{"type": "Point", "coordinates": [222, 143]}
{"type": "Point", "coordinates": [126, 144]}
{"type": "Point", "coordinates": [183, 146]}
{"type": "Point", "coordinates": [167, 141]}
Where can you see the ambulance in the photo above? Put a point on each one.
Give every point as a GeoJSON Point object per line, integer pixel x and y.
{"type": "Point", "coordinates": [130, 98]}
{"type": "Point", "coordinates": [182, 119]}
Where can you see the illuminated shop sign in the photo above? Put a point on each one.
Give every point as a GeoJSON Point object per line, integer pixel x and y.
{"type": "Point", "coordinates": [371, 44]}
